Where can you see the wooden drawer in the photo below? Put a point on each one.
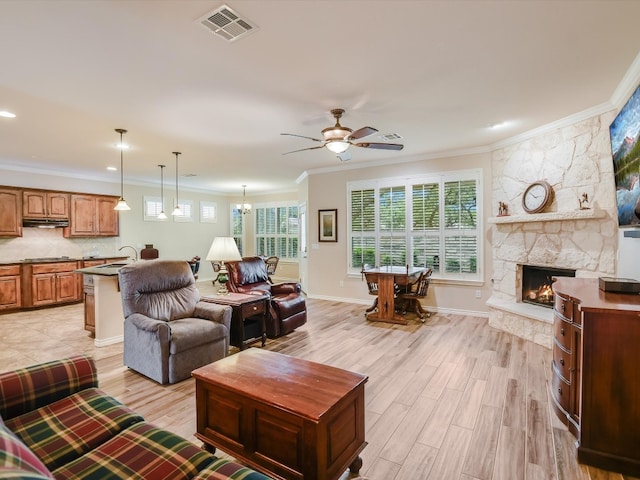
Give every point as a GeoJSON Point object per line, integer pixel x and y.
{"type": "Point", "coordinates": [6, 270]}
{"type": "Point", "coordinates": [562, 333]}
{"type": "Point", "coordinates": [560, 390]}
{"type": "Point", "coordinates": [562, 362]}
{"type": "Point", "coordinates": [563, 307]}
{"type": "Point", "coordinates": [54, 267]}
{"type": "Point", "coordinates": [256, 308]}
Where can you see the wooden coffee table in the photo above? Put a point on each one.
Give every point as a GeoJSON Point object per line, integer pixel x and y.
{"type": "Point", "coordinates": [287, 417]}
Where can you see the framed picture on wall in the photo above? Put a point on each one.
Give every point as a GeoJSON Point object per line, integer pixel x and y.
{"type": "Point", "coordinates": [328, 225]}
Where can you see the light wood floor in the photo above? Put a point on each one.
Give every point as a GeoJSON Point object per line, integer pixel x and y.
{"type": "Point", "coordinates": [451, 399]}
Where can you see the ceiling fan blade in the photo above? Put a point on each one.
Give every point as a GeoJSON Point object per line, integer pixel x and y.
{"type": "Point", "coordinates": [303, 149]}
{"type": "Point", "coordinates": [380, 146]}
{"type": "Point", "coordinates": [362, 132]}
{"type": "Point", "coordinates": [344, 156]}
{"type": "Point", "coordinates": [302, 136]}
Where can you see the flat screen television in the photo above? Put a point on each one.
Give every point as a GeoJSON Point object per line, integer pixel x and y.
{"type": "Point", "coordinates": [625, 149]}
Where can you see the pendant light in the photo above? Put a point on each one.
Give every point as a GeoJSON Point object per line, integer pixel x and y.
{"type": "Point", "coordinates": [122, 203]}
{"type": "Point", "coordinates": [245, 208]}
{"type": "Point", "coordinates": [176, 211]}
{"type": "Point", "coordinates": [162, 215]}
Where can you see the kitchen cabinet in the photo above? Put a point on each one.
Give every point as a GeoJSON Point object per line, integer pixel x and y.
{"type": "Point", "coordinates": [10, 281]}
{"type": "Point", "coordinates": [595, 387]}
{"type": "Point", "coordinates": [10, 212]}
{"type": "Point", "coordinates": [88, 292]}
{"type": "Point", "coordinates": [45, 204]}
{"type": "Point", "coordinates": [92, 216]}
{"type": "Point", "coordinates": [51, 283]}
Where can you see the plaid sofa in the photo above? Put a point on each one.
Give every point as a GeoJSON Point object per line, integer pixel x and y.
{"type": "Point", "coordinates": [56, 423]}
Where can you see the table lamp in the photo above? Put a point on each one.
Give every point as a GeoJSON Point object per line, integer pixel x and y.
{"type": "Point", "coordinates": [223, 249]}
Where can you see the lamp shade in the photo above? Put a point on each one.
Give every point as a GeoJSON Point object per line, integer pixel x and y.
{"type": "Point", "coordinates": [224, 249]}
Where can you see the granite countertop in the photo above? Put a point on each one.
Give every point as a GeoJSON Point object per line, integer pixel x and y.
{"type": "Point", "coordinates": [107, 270]}
{"type": "Point", "coordinates": [61, 259]}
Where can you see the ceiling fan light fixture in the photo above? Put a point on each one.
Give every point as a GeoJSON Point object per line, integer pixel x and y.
{"type": "Point", "coordinates": [337, 146]}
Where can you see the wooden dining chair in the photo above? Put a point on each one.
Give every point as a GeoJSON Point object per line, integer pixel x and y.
{"type": "Point", "coordinates": [417, 291]}
{"type": "Point", "coordinates": [372, 285]}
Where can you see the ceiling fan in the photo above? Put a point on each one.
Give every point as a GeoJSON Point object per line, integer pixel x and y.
{"type": "Point", "coordinates": [337, 139]}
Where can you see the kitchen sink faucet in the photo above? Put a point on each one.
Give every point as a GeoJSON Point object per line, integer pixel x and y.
{"type": "Point", "coordinates": [135, 252]}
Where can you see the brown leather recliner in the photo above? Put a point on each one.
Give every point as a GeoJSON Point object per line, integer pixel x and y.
{"type": "Point", "coordinates": [288, 309]}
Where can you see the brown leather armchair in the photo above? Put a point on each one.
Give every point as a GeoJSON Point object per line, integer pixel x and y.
{"type": "Point", "coordinates": [288, 308]}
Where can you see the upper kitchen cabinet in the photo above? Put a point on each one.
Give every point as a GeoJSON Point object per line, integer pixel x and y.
{"type": "Point", "coordinates": [45, 204]}
{"type": "Point", "coordinates": [92, 216]}
{"type": "Point", "coordinates": [10, 212]}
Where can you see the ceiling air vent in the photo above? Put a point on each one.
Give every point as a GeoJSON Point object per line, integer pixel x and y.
{"type": "Point", "coordinates": [390, 136]}
{"type": "Point", "coordinates": [228, 24]}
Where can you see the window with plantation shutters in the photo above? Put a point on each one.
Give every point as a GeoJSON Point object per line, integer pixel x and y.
{"type": "Point", "coordinates": [277, 231]}
{"type": "Point", "coordinates": [237, 228]}
{"type": "Point", "coordinates": [152, 208]}
{"type": "Point", "coordinates": [426, 221]}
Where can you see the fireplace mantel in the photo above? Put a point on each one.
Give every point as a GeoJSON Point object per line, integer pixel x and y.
{"type": "Point", "coordinates": [589, 214]}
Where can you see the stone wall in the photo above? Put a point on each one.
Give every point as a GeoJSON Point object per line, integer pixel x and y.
{"type": "Point", "coordinates": [575, 159]}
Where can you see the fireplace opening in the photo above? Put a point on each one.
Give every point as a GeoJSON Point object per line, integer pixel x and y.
{"type": "Point", "coordinates": [536, 283]}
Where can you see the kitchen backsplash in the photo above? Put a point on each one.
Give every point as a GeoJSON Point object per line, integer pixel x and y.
{"type": "Point", "coordinates": [43, 242]}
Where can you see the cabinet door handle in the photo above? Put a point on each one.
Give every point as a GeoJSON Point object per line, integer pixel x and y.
{"type": "Point", "coordinates": [562, 332]}
{"type": "Point", "coordinates": [563, 307]}
{"type": "Point", "coordinates": [559, 390]}
{"type": "Point", "coordinates": [562, 362]}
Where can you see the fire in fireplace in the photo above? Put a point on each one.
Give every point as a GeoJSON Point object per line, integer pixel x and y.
{"type": "Point", "coordinates": [536, 283]}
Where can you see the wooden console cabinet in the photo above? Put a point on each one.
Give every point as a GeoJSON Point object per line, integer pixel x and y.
{"type": "Point", "coordinates": [595, 372]}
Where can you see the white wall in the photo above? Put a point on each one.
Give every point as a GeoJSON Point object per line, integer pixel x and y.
{"type": "Point", "coordinates": [327, 263]}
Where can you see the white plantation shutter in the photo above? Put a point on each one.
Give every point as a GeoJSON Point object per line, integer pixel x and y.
{"type": "Point", "coordinates": [363, 227]}
{"type": "Point", "coordinates": [237, 228]}
{"type": "Point", "coordinates": [427, 221]}
{"type": "Point", "coordinates": [425, 226]}
{"type": "Point", "coordinates": [277, 231]}
{"type": "Point", "coordinates": [392, 226]}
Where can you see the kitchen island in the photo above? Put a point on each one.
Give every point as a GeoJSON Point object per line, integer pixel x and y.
{"type": "Point", "coordinates": [102, 303]}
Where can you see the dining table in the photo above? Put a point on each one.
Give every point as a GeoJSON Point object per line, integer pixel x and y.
{"type": "Point", "coordinates": [387, 278]}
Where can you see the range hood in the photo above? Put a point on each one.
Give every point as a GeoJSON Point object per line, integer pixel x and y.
{"type": "Point", "coordinates": [45, 222]}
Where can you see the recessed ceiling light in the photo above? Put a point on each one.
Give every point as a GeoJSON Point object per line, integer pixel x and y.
{"type": "Point", "coordinates": [498, 125]}
{"type": "Point", "coordinates": [112, 169]}
{"type": "Point", "coordinates": [4, 113]}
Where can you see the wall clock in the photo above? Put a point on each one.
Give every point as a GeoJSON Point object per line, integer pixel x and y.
{"type": "Point", "coordinates": [537, 197]}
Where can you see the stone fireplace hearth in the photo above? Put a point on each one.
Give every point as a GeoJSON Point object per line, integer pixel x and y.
{"type": "Point", "coordinates": [575, 159]}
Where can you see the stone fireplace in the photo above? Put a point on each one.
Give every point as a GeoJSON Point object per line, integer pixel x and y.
{"type": "Point", "coordinates": [575, 159]}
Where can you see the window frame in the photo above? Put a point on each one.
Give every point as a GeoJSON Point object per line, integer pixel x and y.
{"type": "Point", "coordinates": [206, 204]}
{"type": "Point", "coordinates": [278, 236]}
{"type": "Point", "coordinates": [372, 238]}
{"type": "Point", "coordinates": [182, 203]}
{"type": "Point", "coordinates": [157, 201]}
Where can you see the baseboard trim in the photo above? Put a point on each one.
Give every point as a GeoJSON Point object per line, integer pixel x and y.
{"type": "Point", "coordinates": [108, 341]}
